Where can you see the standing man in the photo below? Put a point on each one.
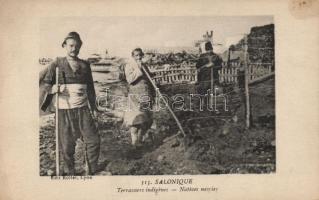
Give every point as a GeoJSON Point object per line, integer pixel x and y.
{"type": "Point", "coordinates": [208, 65]}
{"type": "Point", "coordinates": [76, 104]}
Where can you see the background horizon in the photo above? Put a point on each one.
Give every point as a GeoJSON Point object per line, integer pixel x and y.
{"type": "Point", "coordinates": [119, 35]}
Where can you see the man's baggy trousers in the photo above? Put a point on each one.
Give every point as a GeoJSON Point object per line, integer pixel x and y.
{"type": "Point", "coordinates": [74, 124]}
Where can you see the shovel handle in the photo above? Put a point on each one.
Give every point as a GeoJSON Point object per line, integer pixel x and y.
{"type": "Point", "coordinates": [166, 104]}
{"type": "Point", "coordinates": [57, 152]}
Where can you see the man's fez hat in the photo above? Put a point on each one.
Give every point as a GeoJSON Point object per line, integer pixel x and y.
{"type": "Point", "coordinates": [73, 35]}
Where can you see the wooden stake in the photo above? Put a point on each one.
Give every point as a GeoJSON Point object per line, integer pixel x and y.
{"type": "Point", "coordinates": [247, 74]}
{"type": "Point", "coordinates": [211, 84]}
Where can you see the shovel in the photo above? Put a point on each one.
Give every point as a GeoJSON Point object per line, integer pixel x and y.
{"type": "Point", "coordinates": [181, 130]}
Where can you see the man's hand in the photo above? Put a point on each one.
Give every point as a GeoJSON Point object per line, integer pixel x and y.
{"type": "Point", "coordinates": [139, 71]}
{"type": "Point", "coordinates": [57, 89]}
{"type": "Point", "coordinates": [208, 65]}
{"type": "Point", "coordinates": [139, 64]}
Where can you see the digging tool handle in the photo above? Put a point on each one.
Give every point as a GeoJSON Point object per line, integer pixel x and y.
{"type": "Point", "coordinates": [57, 153]}
{"type": "Point", "coordinates": [166, 104]}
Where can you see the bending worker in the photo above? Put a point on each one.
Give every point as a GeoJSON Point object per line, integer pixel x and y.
{"type": "Point", "coordinates": [138, 115]}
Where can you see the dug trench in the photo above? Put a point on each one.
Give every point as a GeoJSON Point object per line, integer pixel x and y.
{"type": "Point", "coordinates": [218, 145]}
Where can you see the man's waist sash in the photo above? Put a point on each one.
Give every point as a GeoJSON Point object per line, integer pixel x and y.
{"type": "Point", "coordinates": [72, 96]}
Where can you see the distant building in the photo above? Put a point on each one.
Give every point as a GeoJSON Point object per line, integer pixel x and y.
{"type": "Point", "coordinates": [45, 61]}
{"type": "Point", "coordinates": [94, 58]}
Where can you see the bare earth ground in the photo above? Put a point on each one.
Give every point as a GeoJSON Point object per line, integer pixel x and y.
{"type": "Point", "coordinates": [218, 146]}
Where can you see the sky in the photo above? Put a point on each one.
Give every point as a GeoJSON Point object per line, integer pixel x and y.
{"type": "Point", "coordinates": [119, 35]}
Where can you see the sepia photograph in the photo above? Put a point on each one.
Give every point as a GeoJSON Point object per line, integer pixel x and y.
{"type": "Point", "coordinates": [161, 100]}
{"type": "Point", "coordinates": [157, 95]}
